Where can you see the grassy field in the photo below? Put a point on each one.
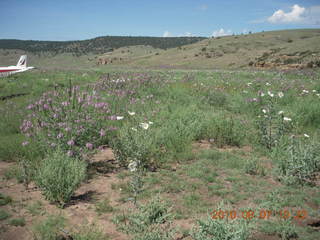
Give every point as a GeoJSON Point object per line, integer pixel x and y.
{"type": "Point", "coordinates": [108, 154]}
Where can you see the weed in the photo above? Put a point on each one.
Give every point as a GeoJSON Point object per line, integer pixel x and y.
{"type": "Point", "coordinates": [149, 220]}
{"type": "Point", "coordinates": [14, 172]}
{"type": "Point", "coordinates": [50, 228]}
{"type": "Point", "coordinates": [4, 200]}
{"type": "Point", "coordinates": [284, 228]}
{"type": "Point", "coordinates": [298, 161]}
{"type": "Point", "coordinates": [17, 222]}
{"type": "Point", "coordinates": [221, 229]}
{"type": "Point", "coordinates": [253, 167]}
{"type": "Point", "coordinates": [59, 175]}
{"type": "Point", "coordinates": [35, 208]}
{"type": "Point", "coordinates": [3, 214]}
{"type": "Point", "coordinates": [103, 207]}
{"type": "Point", "coordinates": [91, 232]}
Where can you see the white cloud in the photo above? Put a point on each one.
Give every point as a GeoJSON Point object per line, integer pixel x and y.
{"type": "Point", "coordinates": [167, 34]}
{"type": "Point", "coordinates": [221, 32]}
{"type": "Point", "coordinates": [296, 15]}
{"type": "Point", "coordinates": [187, 34]}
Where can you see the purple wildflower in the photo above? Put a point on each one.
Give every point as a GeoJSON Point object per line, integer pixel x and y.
{"type": "Point", "coordinates": [89, 145]}
{"type": "Point", "coordinates": [102, 133]}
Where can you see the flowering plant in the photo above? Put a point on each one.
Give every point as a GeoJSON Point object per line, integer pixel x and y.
{"type": "Point", "coordinates": [75, 121]}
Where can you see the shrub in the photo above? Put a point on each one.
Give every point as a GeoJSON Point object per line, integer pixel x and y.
{"type": "Point", "coordinates": [59, 175]}
{"type": "Point", "coordinates": [215, 98]}
{"type": "Point", "coordinates": [271, 123]}
{"type": "Point", "coordinates": [149, 221]}
{"type": "Point", "coordinates": [3, 214]}
{"type": "Point", "coordinates": [75, 121]}
{"type": "Point", "coordinates": [17, 222]}
{"type": "Point", "coordinates": [223, 130]}
{"type": "Point", "coordinates": [298, 161]}
{"type": "Point", "coordinates": [253, 167]}
{"type": "Point", "coordinates": [219, 229]}
{"type": "Point", "coordinates": [4, 200]}
{"type": "Point", "coordinates": [283, 228]}
{"type": "Point", "coordinates": [103, 207]}
{"type": "Point", "coordinates": [50, 228]}
{"type": "Point", "coordinates": [134, 144]}
{"type": "Point", "coordinates": [91, 232]}
{"type": "Point", "coordinates": [308, 112]}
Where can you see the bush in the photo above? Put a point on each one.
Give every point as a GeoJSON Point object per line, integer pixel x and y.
{"type": "Point", "coordinates": [3, 214]}
{"type": "Point", "coordinates": [134, 143]}
{"type": "Point", "coordinates": [253, 167]}
{"type": "Point", "coordinates": [91, 232]}
{"type": "Point", "coordinates": [214, 98]}
{"type": "Point", "coordinates": [298, 161]}
{"type": "Point", "coordinates": [75, 121]}
{"type": "Point", "coordinates": [151, 221]}
{"type": "Point", "coordinates": [17, 222]}
{"type": "Point", "coordinates": [50, 228]}
{"type": "Point", "coordinates": [223, 131]}
{"type": "Point", "coordinates": [308, 112]}
{"type": "Point", "coordinates": [4, 200]}
{"type": "Point", "coordinates": [219, 229]}
{"type": "Point", "coordinates": [59, 176]}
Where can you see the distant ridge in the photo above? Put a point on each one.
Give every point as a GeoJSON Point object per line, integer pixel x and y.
{"type": "Point", "coordinates": [97, 45]}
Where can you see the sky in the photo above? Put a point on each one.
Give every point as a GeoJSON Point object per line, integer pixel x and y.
{"type": "Point", "coordinates": [61, 20]}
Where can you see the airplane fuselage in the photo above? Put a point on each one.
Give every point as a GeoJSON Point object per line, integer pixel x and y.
{"type": "Point", "coordinates": [6, 71]}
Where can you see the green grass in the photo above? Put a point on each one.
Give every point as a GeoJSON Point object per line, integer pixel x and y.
{"type": "Point", "coordinates": [202, 147]}
{"type": "Point", "coordinates": [35, 208]}
{"type": "Point", "coordinates": [17, 222]}
{"type": "Point", "coordinates": [4, 214]}
{"type": "Point", "coordinates": [103, 206]}
{"type": "Point", "coordinates": [4, 199]}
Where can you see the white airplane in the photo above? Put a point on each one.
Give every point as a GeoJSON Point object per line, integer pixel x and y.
{"type": "Point", "coordinates": [20, 67]}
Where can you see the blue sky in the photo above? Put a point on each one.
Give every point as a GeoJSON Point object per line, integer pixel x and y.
{"type": "Point", "coordinates": [76, 20]}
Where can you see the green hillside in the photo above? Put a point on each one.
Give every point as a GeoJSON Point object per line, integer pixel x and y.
{"type": "Point", "coordinates": [96, 45]}
{"type": "Point", "coordinates": [275, 49]}
{"type": "Point", "coordinates": [287, 49]}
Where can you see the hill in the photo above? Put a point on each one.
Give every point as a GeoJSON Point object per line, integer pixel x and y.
{"type": "Point", "coordinates": [274, 49]}
{"type": "Point", "coordinates": [286, 49]}
{"type": "Point", "coordinates": [97, 45]}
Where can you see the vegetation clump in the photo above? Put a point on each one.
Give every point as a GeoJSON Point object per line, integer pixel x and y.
{"type": "Point", "coordinates": [59, 175]}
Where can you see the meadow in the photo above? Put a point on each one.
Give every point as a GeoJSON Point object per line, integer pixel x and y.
{"type": "Point", "coordinates": [160, 154]}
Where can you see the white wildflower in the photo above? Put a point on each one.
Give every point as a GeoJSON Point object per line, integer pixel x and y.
{"type": "Point", "coordinates": [133, 166]}
{"type": "Point", "coordinates": [261, 94]}
{"type": "Point", "coordinates": [134, 129]}
{"type": "Point", "coordinates": [144, 125]}
{"type": "Point", "coordinates": [314, 90]}
{"type": "Point", "coordinates": [280, 94]}
{"type": "Point", "coordinates": [268, 84]}
{"type": "Point", "coordinates": [264, 110]}
{"type": "Point", "coordinates": [270, 94]}
{"type": "Point", "coordinates": [150, 123]}
{"type": "Point", "coordinates": [280, 112]}
{"type": "Point", "coordinates": [306, 135]}
{"type": "Point", "coordinates": [305, 91]}
{"type": "Point", "coordinates": [119, 117]}
{"type": "Point", "coordinates": [287, 119]}
{"type": "Point", "coordinates": [131, 113]}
